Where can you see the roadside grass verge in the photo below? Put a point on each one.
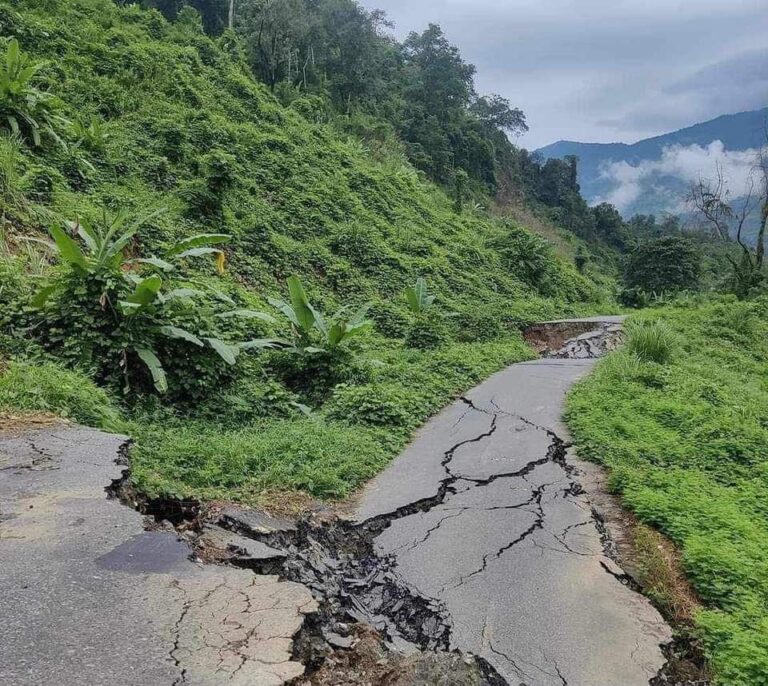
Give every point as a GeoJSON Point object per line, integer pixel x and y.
{"type": "Point", "coordinates": [245, 442]}
{"type": "Point", "coordinates": [680, 416]}
{"type": "Point", "coordinates": [45, 387]}
{"type": "Point", "coordinates": [328, 454]}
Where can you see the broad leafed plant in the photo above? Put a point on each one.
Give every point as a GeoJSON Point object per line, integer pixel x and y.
{"type": "Point", "coordinates": [25, 109]}
{"type": "Point", "coordinates": [313, 332]}
{"type": "Point", "coordinates": [107, 305]}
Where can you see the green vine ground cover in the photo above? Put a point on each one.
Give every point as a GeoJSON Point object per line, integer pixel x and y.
{"type": "Point", "coordinates": [164, 118]}
{"type": "Point", "coordinates": [687, 445]}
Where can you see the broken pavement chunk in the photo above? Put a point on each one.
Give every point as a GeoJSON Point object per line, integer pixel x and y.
{"type": "Point", "coordinates": [238, 547]}
{"type": "Point", "coordinates": [254, 522]}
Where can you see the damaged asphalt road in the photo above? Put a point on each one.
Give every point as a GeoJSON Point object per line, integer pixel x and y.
{"type": "Point", "coordinates": [512, 549]}
{"type": "Point", "coordinates": [476, 560]}
{"type": "Point", "coordinates": [88, 597]}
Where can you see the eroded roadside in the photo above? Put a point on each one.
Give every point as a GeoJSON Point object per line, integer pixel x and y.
{"type": "Point", "coordinates": [481, 471]}
{"type": "Point", "coordinates": [477, 558]}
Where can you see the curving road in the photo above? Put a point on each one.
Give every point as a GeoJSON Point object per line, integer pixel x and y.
{"type": "Point", "coordinates": [510, 546]}
{"type": "Point", "coordinates": [483, 514]}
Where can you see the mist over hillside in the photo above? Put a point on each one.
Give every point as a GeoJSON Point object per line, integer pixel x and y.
{"type": "Point", "coordinates": [653, 175]}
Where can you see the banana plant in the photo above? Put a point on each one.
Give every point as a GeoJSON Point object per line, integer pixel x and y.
{"type": "Point", "coordinates": [418, 297]}
{"type": "Point", "coordinates": [105, 244]}
{"type": "Point", "coordinates": [138, 306]}
{"type": "Point", "coordinates": [24, 109]}
{"type": "Point", "coordinates": [90, 134]}
{"type": "Point", "coordinates": [147, 299]}
{"type": "Point", "coordinates": [311, 331]}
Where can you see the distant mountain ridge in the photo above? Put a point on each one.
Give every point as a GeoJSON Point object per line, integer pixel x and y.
{"type": "Point", "coordinates": [656, 181]}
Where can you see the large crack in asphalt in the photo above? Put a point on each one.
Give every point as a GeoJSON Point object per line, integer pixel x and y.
{"type": "Point", "coordinates": [339, 563]}
{"type": "Point", "coordinates": [354, 584]}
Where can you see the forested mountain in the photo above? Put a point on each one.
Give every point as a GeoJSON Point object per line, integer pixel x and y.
{"type": "Point", "coordinates": [156, 121]}
{"type": "Point", "coordinates": [652, 176]}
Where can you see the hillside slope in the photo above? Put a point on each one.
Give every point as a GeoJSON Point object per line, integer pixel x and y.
{"type": "Point", "coordinates": [186, 129]}
{"type": "Point", "coordinates": [163, 118]}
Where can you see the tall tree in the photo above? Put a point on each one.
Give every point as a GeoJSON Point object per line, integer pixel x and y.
{"type": "Point", "coordinates": [498, 115]}
{"type": "Point", "coordinates": [438, 78]}
{"type": "Point", "coordinates": [662, 265]}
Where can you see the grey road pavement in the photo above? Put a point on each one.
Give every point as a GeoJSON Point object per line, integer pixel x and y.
{"type": "Point", "coordinates": [88, 597]}
{"type": "Point", "coordinates": [509, 543]}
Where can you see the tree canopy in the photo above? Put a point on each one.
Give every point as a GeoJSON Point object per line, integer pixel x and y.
{"type": "Point", "coordinates": [663, 265]}
{"type": "Point", "coordinates": [335, 61]}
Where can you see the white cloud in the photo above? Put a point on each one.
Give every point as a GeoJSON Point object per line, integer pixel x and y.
{"type": "Point", "coordinates": [687, 164]}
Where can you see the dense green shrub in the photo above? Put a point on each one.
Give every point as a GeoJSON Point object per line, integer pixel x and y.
{"type": "Point", "coordinates": [376, 404]}
{"type": "Point", "coordinates": [663, 265]}
{"type": "Point", "coordinates": [389, 319]}
{"type": "Point", "coordinates": [205, 194]}
{"type": "Point", "coordinates": [426, 332]}
{"type": "Point", "coordinates": [528, 256]}
{"type": "Point", "coordinates": [314, 375]}
{"type": "Point", "coordinates": [479, 324]}
{"type": "Point", "coordinates": [109, 312]}
{"type": "Point", "coordinates": [250, 397]}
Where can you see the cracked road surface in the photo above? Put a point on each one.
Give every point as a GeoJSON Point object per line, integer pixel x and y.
{"type": "Point", "coordinates": [509, 545]}
{"type": "Point", "coordinates": [88, 597]}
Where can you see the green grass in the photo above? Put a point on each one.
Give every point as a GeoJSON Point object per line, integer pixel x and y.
{"type": "Point", "coordinates": [188, 131]}
{"type": "Point", "coordinates": [687, 443]}
{"type": "Point", "coordinates": [247, 438]}
{"type": "Point", "coordinates": [329, 454]}
{"type": "Point", "coordinates": [200, 460]}
{"type": "Point", "coordinates": [222, 451]}
{"type": "Point", "coordinates": [185, 129]}
{"type": "Point", "coordinates": [650, 341]}
{"type": "Point", "coordinates": [47, 387]}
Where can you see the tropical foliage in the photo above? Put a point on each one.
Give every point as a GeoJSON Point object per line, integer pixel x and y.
{"type": "Point", "coordinates": [131, 304]}
{"type": "Point", "coordinates": [112, 311]}
{"type": "Point", "coordinates": [418, 297]}
{"type": "Point", "coordinates": [663, 265]}
{"type": "Point", "coordinates": [24, 109]}
{"type": "Point", "coordinates": [312, 332]}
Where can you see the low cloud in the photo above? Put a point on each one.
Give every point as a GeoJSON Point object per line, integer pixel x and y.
{"type": "Point", "coordinates": [684, 164]}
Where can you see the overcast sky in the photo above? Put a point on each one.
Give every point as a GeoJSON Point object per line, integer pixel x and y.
{"type": "Point", "coordinates": [606, 70]}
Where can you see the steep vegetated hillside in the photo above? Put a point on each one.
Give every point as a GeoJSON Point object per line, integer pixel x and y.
{"type": "Point", "coordinates": [156, 141]}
